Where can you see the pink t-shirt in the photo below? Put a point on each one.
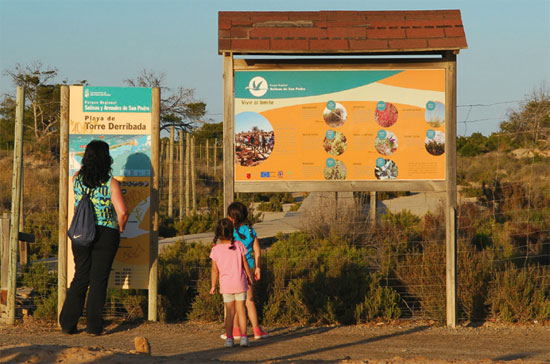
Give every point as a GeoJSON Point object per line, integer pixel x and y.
{"type": "Point", "coordinates": [230, 264]}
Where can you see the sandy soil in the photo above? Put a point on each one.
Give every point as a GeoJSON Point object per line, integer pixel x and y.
{"type": "Point", "coordinates": [405, 342]}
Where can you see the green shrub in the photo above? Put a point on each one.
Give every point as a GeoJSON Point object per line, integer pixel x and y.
{"type": "Point", "coordinates": [321, 281]}
{"type": "Point", "coordinates": [166, 227]}
{"type": "Point", "coordinates": [44, 285]}
{"type": "Point", "coordinates": [285, 305]}
{"type": "Point", "coordinates": [422, 272]}
{"type": "Point", "coordinates": [473, 276]}
{"type": "Point", "coordinates": [274, 205]}
{"type": "Point", "coordinates": [180, 267]}
{"type": "Point", "coordinates": [195, 224]}
{"type": "Point", "coordinates": [46, 307]}
{"type": "Point", "coordinates": [521, 294]}
{"type": "Point", "coordinates": [135, 305]}
{"type": "Point", "coordinates": [296, 206]}
{"type": "Point", "coordinates": [43, 224]}
{"type": "Point", "coordinates": [205, 306]}
{"type": "Point", "coordinates": [192, 224]}
{"type": "Point", "coordinates": [380, 302]}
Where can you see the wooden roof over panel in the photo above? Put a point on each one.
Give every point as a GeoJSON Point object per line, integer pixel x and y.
{"type": "Point", "coordinates": [341, 32]}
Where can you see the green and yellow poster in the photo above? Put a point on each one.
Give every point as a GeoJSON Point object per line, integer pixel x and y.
{"type": "Point", "coordinates": [346, 125]}
{"type": "Point", "coordinates": [122, 118]}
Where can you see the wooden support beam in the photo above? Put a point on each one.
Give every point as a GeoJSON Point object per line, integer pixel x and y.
{"type": "Point", "coordinates": [228, 132]}
{"type": "Point", "coordinates": [15, 201]}
{"type": "Point", "coordinates": [451, 202]}
{"type": "Point", "coordinates": [181, 173]}
{"type": "Point", "coordinates": [152, 314]}
{"type": "Point", "coordinates": [63, 199]}
{"type": "Point", "coordinates": [171, 173]}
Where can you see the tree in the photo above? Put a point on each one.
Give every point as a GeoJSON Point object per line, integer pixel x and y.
{"type": "Point", "coordinates": [7, 122]}
{"type": "Point", "coordinates": [530, 125]}
{"type": "Point", "coordinates": [178, 108]}
{"type": "Point", "coordinates": [42, 97]}
{"type": "Point", "coordinates": [476, 144]}
{"type": "Point", "coordinates": [209, 131]}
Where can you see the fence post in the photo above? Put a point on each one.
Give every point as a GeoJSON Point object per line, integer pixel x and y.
{"type": "Point", "coordinates": [15, 201]}
{"type": "Point", "coordinates": [373, 208]}
{"type": "Point", "coordinates": [22, 244]}
{"type": "Point", "coordinates": [63, 199]}
{"type": "Point", "coordinates": [207, 157]}
{"type": "Point", "coordinates": [187, 173]}
{"type": "Point", "coordinates": [5, 253]}
{"type": "Point", "coordinates": [228, 132]}
{"type": "Point", "coordinates": [193, 177]}
{"type": "Point", "coordinates": [451, 195]}
{"type": "Point", "coordinates": [152, 313]}
{"type": "Point", "coordinates": [215, 156]}
{"type": "Point", "coordinates": [171, 173]}
{"type": "Point", "coordinates": [181, 171]}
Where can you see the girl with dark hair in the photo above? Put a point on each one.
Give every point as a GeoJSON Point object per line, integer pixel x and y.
{"type": "Point", "coordinates": [245, 233]}
{"type": "Point", "coordinates": [228, 261]}
{"type": "Point", "coordinates": [93, 263]}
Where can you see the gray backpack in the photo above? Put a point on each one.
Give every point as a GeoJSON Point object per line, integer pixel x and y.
{"type": "Point", "coordinates": [82, 230]}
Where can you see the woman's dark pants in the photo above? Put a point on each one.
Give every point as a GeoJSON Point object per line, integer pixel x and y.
{"type": "Point", "coordinates": [92, 268]}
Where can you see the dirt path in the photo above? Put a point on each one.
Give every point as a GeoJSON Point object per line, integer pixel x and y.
{"type": "Point", "coordinates": [408, 343]}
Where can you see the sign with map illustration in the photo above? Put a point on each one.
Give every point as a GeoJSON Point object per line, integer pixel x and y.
{"type": "Point", "coordinates": [122, 119]}
{"type": "Point", "coordinates": [339, 125]}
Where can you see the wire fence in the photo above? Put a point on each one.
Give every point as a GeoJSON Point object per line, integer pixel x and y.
{"type": "Point", "coordinates": [343, 255]}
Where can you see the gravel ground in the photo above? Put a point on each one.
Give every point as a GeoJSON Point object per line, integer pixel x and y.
{"type": "Point", "coordinates": [405, 342]}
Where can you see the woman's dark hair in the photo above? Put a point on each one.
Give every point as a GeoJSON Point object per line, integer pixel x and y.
{"type": "Point", "coordinates": [239, 213]}
{"type": "Point", "coordinates": [96, 164]}
{"type": "Point", "coordinates": [224, 230]}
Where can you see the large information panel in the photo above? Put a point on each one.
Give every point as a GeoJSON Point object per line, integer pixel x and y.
{"type": "Point", "coordinates": [122, 118]}
{"type": "Point", "coordinates": [347, 125]}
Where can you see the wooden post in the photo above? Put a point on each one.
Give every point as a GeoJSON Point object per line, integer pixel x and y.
{"type": "Point", "coordinates": [63, 199]}
{"type": "Point", "coordinates": [15, 201]}
{"type": "Point", "coordinates": [23, 245]}
{"type": "Point", "coordinates": [154, 208]}
{"type": "Point", "coordinates": [187, 174]}
{"type": "Point", "coordinates": [451, 203]}
{"type": "Point", "coordinates": [228, 148]}
{"type": "Point", "coordinates": [4, 252]}
{"type": "Point", "coordinates": [215, 157]}
{"type": "Point", "coordinates": [336, 207]}
{"type": "Point", "coordinates": [193, 177]}
{"type": "Point", "coordinates": [207, 157]}
{"type": "Point", "coordinates": [164, 170]}
{"type": "Point", "coordinates": [171, 173]}
{"type": "Point", "coordinates": [373, 208]}
{"type": "Point", "coordinates": [181, 172]}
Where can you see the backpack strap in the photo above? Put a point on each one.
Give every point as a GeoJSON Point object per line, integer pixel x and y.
{"type": "Point", "coordinates": [83, 188]}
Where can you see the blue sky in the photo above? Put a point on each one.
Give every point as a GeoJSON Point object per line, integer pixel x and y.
{"type": "Point", "coordinates": [105, 42]}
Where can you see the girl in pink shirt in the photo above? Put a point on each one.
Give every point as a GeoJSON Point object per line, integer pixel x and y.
{"type": "Point", "coordinates": [229, 262]}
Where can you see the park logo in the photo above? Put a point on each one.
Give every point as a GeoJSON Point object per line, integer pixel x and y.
{"type": "Point", "coordinates": [257, 86]}
{"type": "Point", "coordinates": [86, 93]}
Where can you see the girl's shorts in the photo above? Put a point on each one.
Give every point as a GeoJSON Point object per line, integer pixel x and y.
{"type": "Point", "coordinates": [230, 297]}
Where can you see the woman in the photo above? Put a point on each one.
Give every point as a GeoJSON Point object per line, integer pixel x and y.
{"type": "Point", "coordinates": [93, 263]}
